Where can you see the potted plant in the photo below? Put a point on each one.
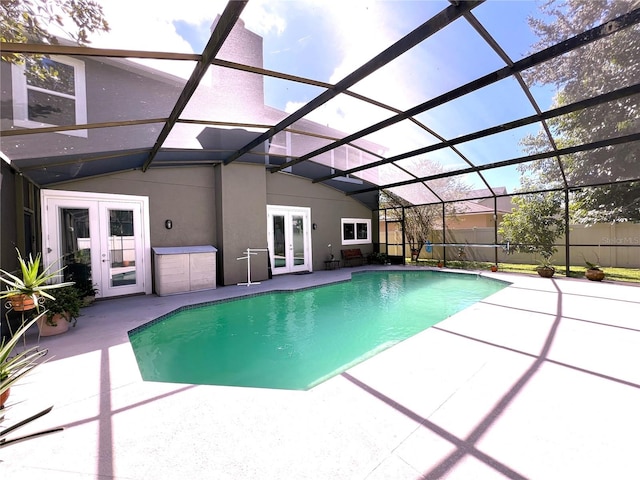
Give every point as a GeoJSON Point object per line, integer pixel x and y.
{"type": "Point", "coordinates": [377, 258]}
{"type": "Point", "coordinates": [546, 268]}
{"type": "Point", "coordinates": [24, 292]}
{"type": "Point", "coordinates": [87, 292]}
{"type": "Point", "coordinates": [13, 368]}
{"type": "Point", "coordinates": [594, 272]}
{"type": "Point", "coordinates": [61, 311]}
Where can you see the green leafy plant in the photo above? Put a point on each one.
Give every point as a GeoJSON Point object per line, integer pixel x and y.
{"type": "Point", "coordinates": [86, 288]}
{"type": "Point", "coordinates": [534, 224]}
{"type": "Point", "coordinates": [34, 281]}
{"type": "Point", "coordinates": [13, 368]}
{"type": "Point", "coordinates": [545, 262]}
{"type": "Point", "coordinates": [592, 266]}
{"type": "Point", "coordinates": [67, 303]}
{"type": "Point", "coordinates": [377, 257]}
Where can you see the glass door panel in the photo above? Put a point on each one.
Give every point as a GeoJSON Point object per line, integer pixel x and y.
{"type": "Point", "coordinates": [75, 247]}
{"type": "Point", "coordinates": [100, 240]}
{"type": "Point", "coordinates": [122, 248]}
{"type": "Point", "coordinates": [297, 233]}
{"type": "Point", "coordinates": [289, 240]}
{"type": "Point", "coordinates": [279, 249]}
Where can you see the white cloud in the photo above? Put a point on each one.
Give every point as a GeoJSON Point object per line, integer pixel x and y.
{"type": "Point", "coordinates": [260, 17]}
{"type": "Point", "coordinates": [362, 30]}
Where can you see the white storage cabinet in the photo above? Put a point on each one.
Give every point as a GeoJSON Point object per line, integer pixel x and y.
{"type": "Point", "coordinates": [184, 269]}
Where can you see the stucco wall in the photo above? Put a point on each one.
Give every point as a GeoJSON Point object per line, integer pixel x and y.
{"type": "Point", "coordinates": [225, 206]}
{"type": "Point", "coordinates": [242, 220]}
{"type": "Point", "coordinates": [184, 195]}
{"type": "Point", "coordinates": [327, 205]}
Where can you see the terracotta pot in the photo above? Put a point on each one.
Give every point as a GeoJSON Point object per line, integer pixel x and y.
{"type": "Point", "coordinates": [440, 264]}
{"type": "Point", "coordinates": [494, 268]}
{"type": "Point", "coordinates": [61, 325]}
{"type": "Point", "coordinates": [546, 272]}
{"type": "Point", "coordinates": [22, 303]}
{"type": "Point", "coordinates": [594, 274]}
{"type": "Point", "coordinates": [4, 397]}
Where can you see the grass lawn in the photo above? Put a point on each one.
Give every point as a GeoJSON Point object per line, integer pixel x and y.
{"type": "Point", "coordinates": [577, 271]}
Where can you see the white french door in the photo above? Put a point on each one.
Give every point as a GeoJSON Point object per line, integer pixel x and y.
{"type": "Point", "coordinates": [289, 239]}
{"type": "Point", "coordinates": [101, 239]}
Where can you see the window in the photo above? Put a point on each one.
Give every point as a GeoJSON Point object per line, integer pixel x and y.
{"type": "Point", "coordinates": [50, 92]}
{"type": "Point", "coordinates": [356, 231]}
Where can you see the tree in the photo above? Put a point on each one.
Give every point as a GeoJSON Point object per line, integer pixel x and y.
{"type": "Point", "coordinates": [602, 66]}
{"type": "Point", "coordinates": [420, 220]}
{"type": "Point", "coordinates": [534, 224]}
{"type": "Point", "coordinates": [27, 20]}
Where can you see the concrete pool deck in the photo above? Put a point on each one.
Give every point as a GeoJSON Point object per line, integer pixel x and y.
{"type": "Point", "coordinates": [539, 381]}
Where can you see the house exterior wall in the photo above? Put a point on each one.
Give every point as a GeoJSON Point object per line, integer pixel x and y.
{"type": "Point", "coordinates": [327, 205]}
{"type": "Point", "coordinates": [225, 206]}
{"type": "Point", "coordinates": [184, 195]}
{"type": "Point", "coordinates": [112, 94]}
{"type": "Point", "coordinates": [172, 193]}
{"type": "Point", "coordinates": [242, 221]}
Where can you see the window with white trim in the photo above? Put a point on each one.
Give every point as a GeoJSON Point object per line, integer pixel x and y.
{"type": "Point", "coordinates": [49, 92]}
{"type": "Point", "coordinates": [356, 231]}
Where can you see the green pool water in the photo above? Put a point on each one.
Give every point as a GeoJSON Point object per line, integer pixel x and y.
{"type": "Point", "coordinates": [296, 340]}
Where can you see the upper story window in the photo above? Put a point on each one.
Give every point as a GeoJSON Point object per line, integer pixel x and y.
{"type": "Point", "coordinates": [50, 92]}
{"type": "Point", "coordinates": [356, 231]}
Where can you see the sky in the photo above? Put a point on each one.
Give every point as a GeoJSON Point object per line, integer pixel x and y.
{"type": "Point", "coordinates": [328, 40]}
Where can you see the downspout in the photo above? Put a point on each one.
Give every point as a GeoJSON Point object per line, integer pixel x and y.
{"type": "Point", "coordinates": [495, 229]}
{"type": "Point", "coordinates": [567, 249]}
{"type": "Point", "coordinates": [444, 228]}
{"type": "Point", "coordinates": [404, 240]}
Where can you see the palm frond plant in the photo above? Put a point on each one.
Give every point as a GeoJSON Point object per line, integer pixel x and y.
{"type": "Point", "coordinates": [593, 271]}
{"type": "Point", "coordinates": [34, 281]}
{"type": "Point", "coordinates": [13, 368]}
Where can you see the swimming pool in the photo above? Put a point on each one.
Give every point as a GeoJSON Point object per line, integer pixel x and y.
{"type": "Point", "coordinates": [296, 340]}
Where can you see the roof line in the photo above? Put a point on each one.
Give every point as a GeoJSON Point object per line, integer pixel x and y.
{"type": "Point", "coordinates": [46, 49]}
{"type": "Point", "coordinates": [504, 127]}
{"type": "Point", "coordinates": [224, 26]}
{"type": "Point", "coordinates": [634, 137]}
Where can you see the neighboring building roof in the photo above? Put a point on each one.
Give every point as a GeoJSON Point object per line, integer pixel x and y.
{"type": "Point", "coordinates": [486, 205]}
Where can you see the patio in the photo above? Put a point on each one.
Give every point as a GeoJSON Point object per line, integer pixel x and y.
{"type": "Point", "coordinates": [538, 381]}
